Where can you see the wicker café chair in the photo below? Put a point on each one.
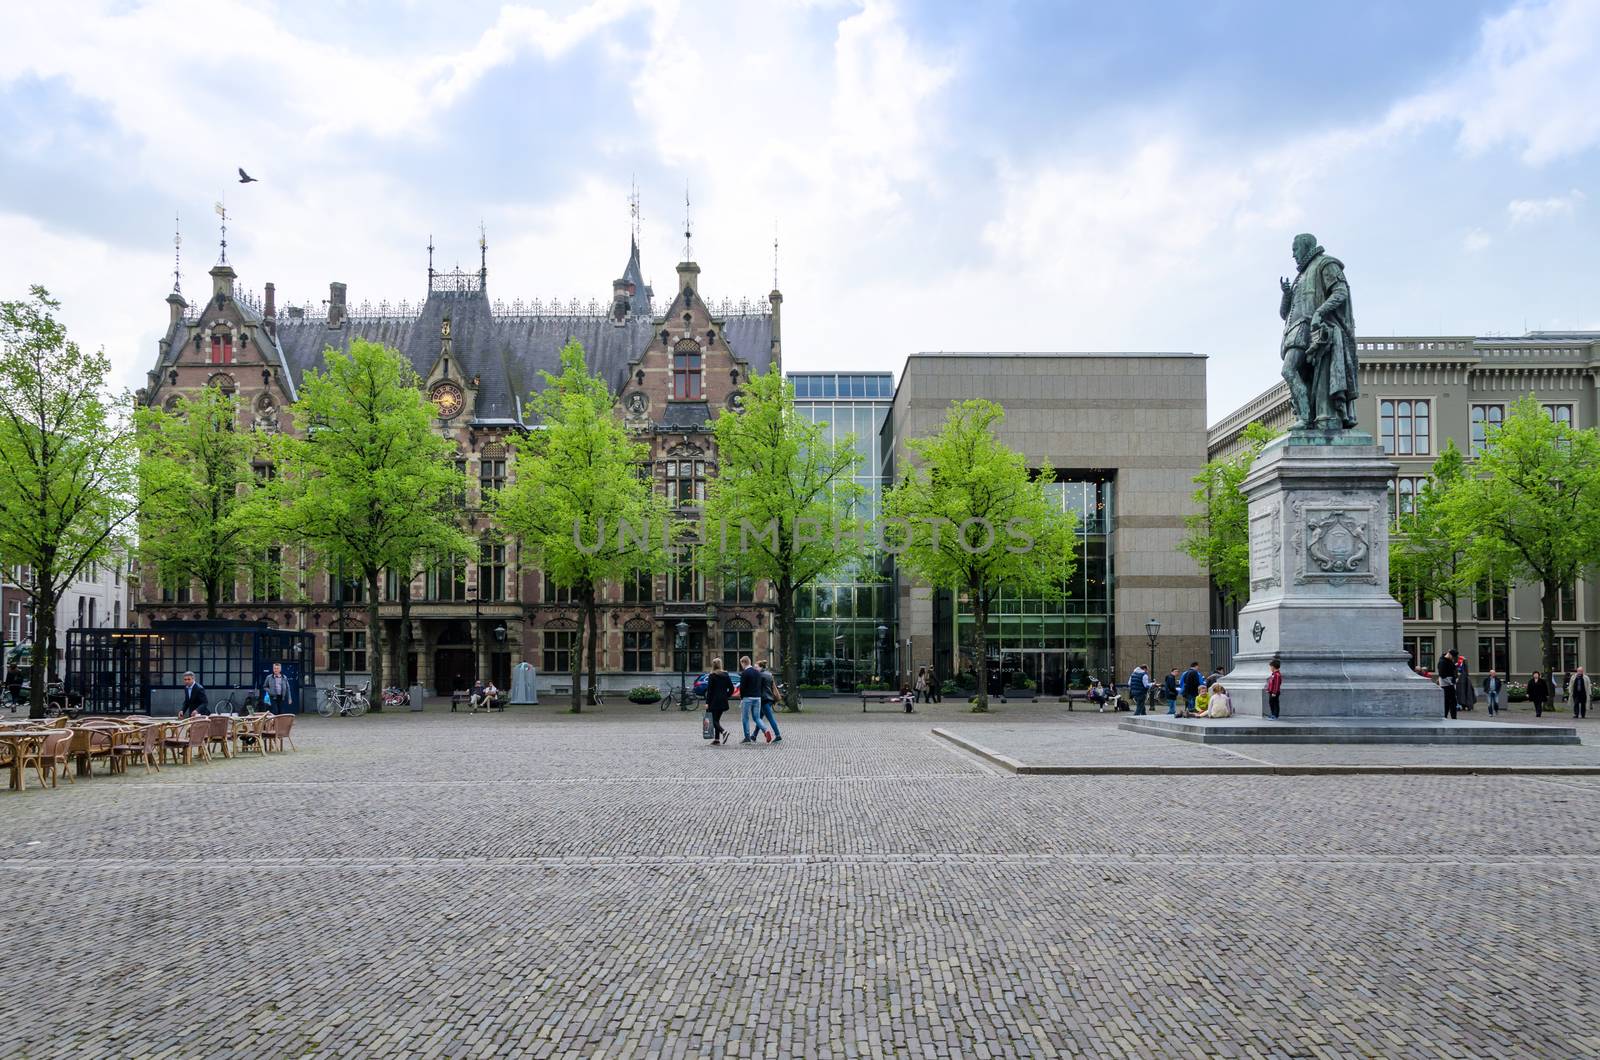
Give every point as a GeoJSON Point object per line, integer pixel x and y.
{"type": "Point", "coordinates": [142, 744]}
{"type": "Point", "coordinates": [104, 734]}
{"type": "Point", "coordinates": [247, 733]}
{"type": "Point", "coordinates": [181, 739]}
{"type": "Point", "coordinates": [49, 753]}
{"type": "Point", "coordinates": [276, 731]}
{"type": "Point", "coordinates": [217, 734]}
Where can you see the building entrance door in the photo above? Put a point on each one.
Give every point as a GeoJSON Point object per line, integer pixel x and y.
{"type": "Point", "coordinates": [453, 670]}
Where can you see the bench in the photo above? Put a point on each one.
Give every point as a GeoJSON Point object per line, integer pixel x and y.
{"type": "Point", "coordinates": [882, 696]}
{"type": "Point", "coordinates": [458, 698]}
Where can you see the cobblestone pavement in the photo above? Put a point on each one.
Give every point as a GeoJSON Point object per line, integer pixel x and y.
{"type": "Point", "coordinates": [543, 885]}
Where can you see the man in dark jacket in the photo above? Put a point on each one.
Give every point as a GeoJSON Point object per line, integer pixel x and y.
{"type": "Point", "coordinates": [1169, 691]}
{"type": "Point", "coordinates": [1491, 691]}
{"type": "Point", "coordinates": [194, 697]}
{"type": "Point", "coordinates": [1538, 693]}
{"type": "Point", "coordinates": [750, 687]}
{"type": "Point", "coordinates": [1446, 671]}
{"type": "Point", "coordinates": [1192, 680]}
{"type": "Point", "coordinates": [1579, 691]}
{"type": "Point", "coordinates": [769, 696]}
{"type": "Point", "coordinates": [277, 692]}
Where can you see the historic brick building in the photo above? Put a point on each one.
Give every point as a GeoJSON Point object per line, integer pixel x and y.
{"type": "Point", "coordinates": [674, 370]}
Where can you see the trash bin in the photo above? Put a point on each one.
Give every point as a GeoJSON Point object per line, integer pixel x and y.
{"type": "Point", "coordinates": [416, 693]}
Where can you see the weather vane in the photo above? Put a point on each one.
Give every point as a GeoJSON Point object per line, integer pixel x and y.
{"type": "Point", "coordinates": [688, 227]}
{"type": "Point", "coordinates": [634, 213]}
{"type": "Point", "coordinates": [774, 255]}
{"type": "Point", "coordinates": [177, 256]}
{"type": "Point", "coordinates": [222, 212]}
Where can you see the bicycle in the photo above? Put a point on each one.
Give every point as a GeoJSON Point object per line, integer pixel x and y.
{"type": "Point", "coordinates": [668, 700]}
{"type": "Point", "coordinates": [58, 701]}
{"type": "Point", "coordinates": [347, 700]}
{"type": "Point", "coordinates": [396, 697]}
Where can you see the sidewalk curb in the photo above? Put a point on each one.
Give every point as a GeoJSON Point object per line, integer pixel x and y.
{"type": "Point", "coordinates": [1012, 765]}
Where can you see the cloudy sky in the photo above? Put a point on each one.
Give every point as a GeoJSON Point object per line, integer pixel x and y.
{"type": "Point", "coordinates": [1052, 175]}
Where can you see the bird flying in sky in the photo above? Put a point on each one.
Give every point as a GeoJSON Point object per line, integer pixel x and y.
{"type": "Point", "coordinates": [245, 178]}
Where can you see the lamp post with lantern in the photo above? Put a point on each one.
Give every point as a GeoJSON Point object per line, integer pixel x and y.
{"type": "Point", "coordinates": [683, 665]}
{"type": "Point", "coordinates": [1152, 630]}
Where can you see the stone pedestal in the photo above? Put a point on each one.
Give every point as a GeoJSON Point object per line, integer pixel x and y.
{"type": "Point", "coordinates": [1319, 586]}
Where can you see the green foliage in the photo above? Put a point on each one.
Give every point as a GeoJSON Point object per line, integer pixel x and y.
{"type": "Point", "coordinates": [369, 478]}
{"type": "Point", "coordinates": [784, 507]}
{"type": "Point", "coordinates": [67, 458]}
{"type": "Point", "coordinates": [1527, 508]}
{"type": "Point", "coordinates": [644, 694]}
{"type": "Point", "coordinates": [576, 482]}
{"type": "Point", "coordinates": [975, 520]}
{"type": "Point", "coordinates": [1219, 534]}
{"type": "Point", "coordinates": [201, 516]}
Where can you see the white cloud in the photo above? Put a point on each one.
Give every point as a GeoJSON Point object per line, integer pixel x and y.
{"type": "Point", "coordinates": [1524, 211]}
{"type": "Point", "coordinates": [1476, 241]}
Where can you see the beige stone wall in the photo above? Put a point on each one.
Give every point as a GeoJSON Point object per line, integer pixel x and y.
{"type": "Point", "coordinates": [1140, 417]}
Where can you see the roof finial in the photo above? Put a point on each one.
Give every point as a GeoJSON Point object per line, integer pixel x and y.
{"type": "Point", "coordinates": [177, 257]}
{"type": "Point", "coordinates": [688, 226]}
{"type": "Point", "coordinates": [222, 212]}
{"type": "Point", "coordinates": [430, 261]}
{"type": "Point", "coordinates": [774, 254]}
{"type": "Point", "coordinates": [483, 247]}
{"type": "Point", "coordinates": [634, 214]}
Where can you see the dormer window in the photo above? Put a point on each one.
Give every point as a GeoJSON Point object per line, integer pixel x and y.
{"type": "Point", "coordinates": [686, 372]}
{"type": "Point", "coordinates": [222, 349]}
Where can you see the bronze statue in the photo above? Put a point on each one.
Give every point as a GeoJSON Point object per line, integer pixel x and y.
{"type": "Point", "coordinates": [1319, 340]}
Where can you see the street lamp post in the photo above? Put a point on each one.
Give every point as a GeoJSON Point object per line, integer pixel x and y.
{"type": "Point", "coordinates": [1152, 629]}
{"type": "Point", "coordinates": [343, 634]}
{"type": "Point", "coordinates": [683, 665]}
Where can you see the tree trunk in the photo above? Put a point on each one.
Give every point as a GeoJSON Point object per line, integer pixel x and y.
{"type": "Point", "coordinates": [1455, 624]}
{"type": "Point", "coordinates": [980, 648]}
{"type": "Point", "coordinates": [213, 587]}
{"type": "Point", "coordinates": [575, 664]}
{"type": "Point", "coordinates": [591, 614]}
{"type": "Point", "coordinates": [44, 617]}
{"type": "Point", "coordinates": [1547, 625]}
{"type": "Point", "coordinates": [374, 645]}
{"type": "Point", "coordinates": [403, 660]}
{"type": "Point", "coordinates": [788, 659]}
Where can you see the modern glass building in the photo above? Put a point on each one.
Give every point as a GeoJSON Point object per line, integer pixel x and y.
{"type": "Point", "coordinates": [844, 625]}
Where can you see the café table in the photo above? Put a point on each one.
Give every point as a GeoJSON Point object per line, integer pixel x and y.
{"type": "Point", "coordinates": [21, 741]}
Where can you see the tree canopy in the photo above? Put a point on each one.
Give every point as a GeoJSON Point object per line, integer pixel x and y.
{"type": "Point", "coordinates": [578, 502]}
{"type": "Point", "coordinates": [785, 506]}
{"type": "Point", "coordinates": [67, 459]}
{"type": "Point", "coordinates": [1218, 535]}
{"type": "Point", "coordinates": [971, 517]}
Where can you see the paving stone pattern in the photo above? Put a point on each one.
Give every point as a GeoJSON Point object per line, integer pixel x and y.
{"type": "Point", "coordinates": [541, 885]}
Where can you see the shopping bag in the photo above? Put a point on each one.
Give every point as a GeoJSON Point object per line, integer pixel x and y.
{"type": "Point", "coordinates": [706, 727]}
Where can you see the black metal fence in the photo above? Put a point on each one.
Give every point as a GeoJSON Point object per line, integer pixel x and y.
{"type": "Point", "coordinates": [140, 671]}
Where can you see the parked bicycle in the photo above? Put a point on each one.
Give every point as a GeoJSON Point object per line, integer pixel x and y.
{"type": "Point", "coordinates": [58, 701]}
{"type": "Point", "coordinates": [345, 700]}
{"type": "Point", "coordinates": [396, 697]}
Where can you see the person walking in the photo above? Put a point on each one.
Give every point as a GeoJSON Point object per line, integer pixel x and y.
{"type": "Point", "coordinates": [1538, 692]}
{"type": "Point", "coordinates": [1466, 694]}
{"type": "Point", "coordinates": [1192, 680]}
{"type": "Point", "coordinates": [1579, 691]}
{"type": "Point", "coordinates": [921, 687]}
{"type": "Point", "coordinates": [1139, 688]}
{"type": "Point", "coordinates": [1446, 671]}
{"type": "Point", "coordinates": [1169, 691]}
{"type": "Point", "coordinates": [750, 682]}
{"type": "Point", "coordinates": [194, 696]}
{"type": "Point", "coordinates": [1491, 692]}
{"type": "Point", "coordinates": [719, 689]}
{"type": "Point", "coordinates": [277, 691]}
{"type": "Point", "coordinates": [769, 696]}
{"type": "Point", "coordinates": [1274, 687]}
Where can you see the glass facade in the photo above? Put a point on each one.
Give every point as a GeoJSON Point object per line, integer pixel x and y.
{"type": "Point", "coordinates": [1061, 643]}
{"type": "Point", "coordinates": [837, 620]}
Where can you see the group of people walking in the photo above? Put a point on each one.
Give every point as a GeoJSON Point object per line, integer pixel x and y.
{"type": "Point", "coordinates": [758, 694]}
{"type": "Point", "coordinates": [1460, 693]}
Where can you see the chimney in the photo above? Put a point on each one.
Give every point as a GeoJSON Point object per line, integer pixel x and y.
{"type": "Point", "coordinates": [175, 306]}
{"type": "Point", "coordinates": [335, 304]}
{"type": "Point", "coordinates": [269, 312]}
{"type": "Point", "coordinates": [621, 299]}
{"type": "Point", "coordinates": [688, 278]}
{"type": "Point", "coordinates": [222, 277]}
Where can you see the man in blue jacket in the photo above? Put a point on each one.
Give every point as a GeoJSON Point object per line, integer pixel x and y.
{"type": "Point", "coordinates": [1139, 688]}
{"type": "Point", "coordinates": [1192, 680]}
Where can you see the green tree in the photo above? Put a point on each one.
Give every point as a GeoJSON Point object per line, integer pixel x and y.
{"type": "Point", "coordinates": [577, 501]}
{"type": "Point", "coordinates": [200, 514]}
{"type": "Point", "coordinates": [1219, 533]}
{"type": "Point", "coordinates": [1526, 509]}
{"type": "Point", "coordinates": [67, 457]}
{"type": "Point", "coordinates": [973, 519]}
{"type": "Point", "coordinates": [1427, 556]}
{"type": "Point", "coordinates": [785, 506]}
{"type": "Point", "coordinates": [367, 476]}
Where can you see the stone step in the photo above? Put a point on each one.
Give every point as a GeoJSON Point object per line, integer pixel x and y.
{"type": "Point", "coordinates": [1350, 730]}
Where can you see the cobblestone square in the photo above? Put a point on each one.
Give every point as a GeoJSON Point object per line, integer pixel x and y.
{"type": "Point", "coordinates": [540, 884]}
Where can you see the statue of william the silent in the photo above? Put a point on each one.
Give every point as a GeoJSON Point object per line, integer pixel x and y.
{"type": "Point", "coordinates": [1319, 340]}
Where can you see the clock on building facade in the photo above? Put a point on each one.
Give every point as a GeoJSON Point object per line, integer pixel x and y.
{"type": "Point", "coordinates": [446, 398]}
